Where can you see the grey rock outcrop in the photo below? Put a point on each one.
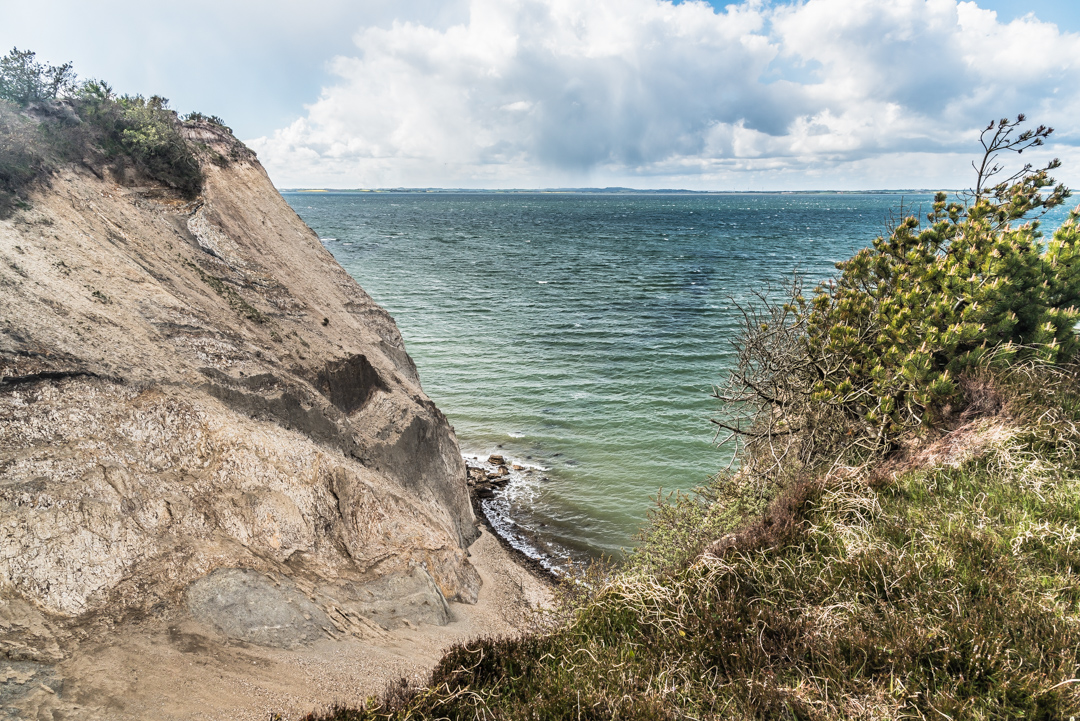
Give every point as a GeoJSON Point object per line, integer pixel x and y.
{"type": "Point", "coordinates": [188, 387]}
{"type": "Point", "coordinates": [246, 605]}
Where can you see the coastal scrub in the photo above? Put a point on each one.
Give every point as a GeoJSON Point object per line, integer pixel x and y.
{"type": "Point", "coordinates": [902, 536]}
{"type": "Point", "coordinates": [47, 119]}
{"type": "Point", "coordinates": [941, 582]}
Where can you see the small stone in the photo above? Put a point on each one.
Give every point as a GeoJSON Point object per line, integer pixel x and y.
{"type": "Point", "coordinates": [496, 460]}
{"type": "Point", "coordinates": [516, 467]}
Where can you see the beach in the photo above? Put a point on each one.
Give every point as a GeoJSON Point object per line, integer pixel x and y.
{"type": "Point", "coordinates": [169, 667]}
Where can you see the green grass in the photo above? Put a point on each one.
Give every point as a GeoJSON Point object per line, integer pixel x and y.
{"type": "Point", "coordinates": [902, 590]}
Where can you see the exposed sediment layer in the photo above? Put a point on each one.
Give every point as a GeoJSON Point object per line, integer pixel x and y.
{"type": "Point", "coordinates": [195, 392]}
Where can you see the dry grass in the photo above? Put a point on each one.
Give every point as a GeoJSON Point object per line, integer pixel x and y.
{"type": "Point", "coordinates": [22, 158]}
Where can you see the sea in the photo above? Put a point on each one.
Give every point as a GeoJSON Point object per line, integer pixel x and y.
{"type": "Point", "coordinates": [580, 334]}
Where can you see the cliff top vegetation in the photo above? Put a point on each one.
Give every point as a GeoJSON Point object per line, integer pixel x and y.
{"type": "Point", "coordinates": [48, 118]}
{"type": "Point", "coordinates": [901, 538]}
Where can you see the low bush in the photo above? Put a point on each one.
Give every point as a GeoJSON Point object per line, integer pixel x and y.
{"type": "Point", "coordinates": [47, 119]}
{"type": "Point", "coordinates": [879, 352]}
{"type": "Point", "coordinates": [22, 157]}
{"type": "Point", "coordinates": [681, 525]}
{"type": "Point", "coordinates": [197, 117]}
{"type": "Point", "coordinates": [142, 131]}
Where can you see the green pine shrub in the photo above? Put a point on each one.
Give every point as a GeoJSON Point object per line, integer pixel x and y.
{"type": "Point", "coordinates": [142, 131]}
{"type": "Point", "coordinates": [881, 350]}
{"type": "Point", "coordinates": [23, 80]}
{"type": "Point", "coordinates": [889, 338]}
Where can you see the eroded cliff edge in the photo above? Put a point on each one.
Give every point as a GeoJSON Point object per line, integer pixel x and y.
{"type": "Point", "coordinates": [198, 403]}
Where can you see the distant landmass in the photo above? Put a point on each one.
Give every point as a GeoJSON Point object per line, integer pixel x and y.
{"type": "Point", "coordinates": [610, 191]}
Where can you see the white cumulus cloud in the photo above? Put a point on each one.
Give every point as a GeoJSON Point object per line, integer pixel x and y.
{"type": "Point", "coordinates": [819, 93]}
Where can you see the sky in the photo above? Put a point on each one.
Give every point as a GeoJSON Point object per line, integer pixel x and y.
{"type": "Point", "coordinates": [753, 95]}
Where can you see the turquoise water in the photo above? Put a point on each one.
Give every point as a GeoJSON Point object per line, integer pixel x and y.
{"type": "Point", "coordinates": [580, 334]}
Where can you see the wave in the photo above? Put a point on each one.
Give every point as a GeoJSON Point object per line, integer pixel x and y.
{"type": "Point", "coordinates": [522, 488]}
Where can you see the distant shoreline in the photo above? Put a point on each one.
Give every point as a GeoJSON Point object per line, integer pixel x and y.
{"type": "Point", "coordinates": [601, 191]}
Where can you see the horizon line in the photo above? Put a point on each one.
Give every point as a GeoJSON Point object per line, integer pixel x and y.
{"type": "Point", "coordinates": [612, 190]}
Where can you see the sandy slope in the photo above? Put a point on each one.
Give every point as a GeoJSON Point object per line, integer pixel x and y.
{"type": "Point", "coordinates": [171, 667]}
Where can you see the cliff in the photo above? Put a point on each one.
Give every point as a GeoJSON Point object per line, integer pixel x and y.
{"type": "Point", "coordinates": [203, 415]}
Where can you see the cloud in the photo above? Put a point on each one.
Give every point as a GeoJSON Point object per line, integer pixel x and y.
{"type": "Point", "coordinates": [822, 93]}
{"type": "Point", "coordinates": [253, 62]}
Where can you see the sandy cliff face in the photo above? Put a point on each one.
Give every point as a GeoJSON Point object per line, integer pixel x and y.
{"type": "Point", "coordinates": [198, 408]}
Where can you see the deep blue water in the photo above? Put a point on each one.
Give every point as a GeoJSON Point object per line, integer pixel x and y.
{"type": "Point", "coordinates": [581, 334]}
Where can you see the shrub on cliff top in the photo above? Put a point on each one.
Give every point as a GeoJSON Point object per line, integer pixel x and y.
{"type": "Point", "coordinates": [142, 130]}
{"type": "Point", "coordinates": [47, 118]}
{"type": "Point", "coordinates": [905, 317]}
{"type": "Point", "coordinates": [879, 350]}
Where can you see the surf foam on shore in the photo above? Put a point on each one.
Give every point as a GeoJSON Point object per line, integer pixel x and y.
{"type": "Point", "coordinates": [508, 483]}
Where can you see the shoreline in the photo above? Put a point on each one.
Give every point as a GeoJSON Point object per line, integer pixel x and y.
{"type": "Point", "coordinates": [489, 479]}
{"type": "Point", "coordinates": [526, 562]}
